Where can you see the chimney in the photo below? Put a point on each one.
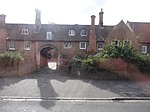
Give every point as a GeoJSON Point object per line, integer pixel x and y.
{"type": "Point", "coordinates": [92, 48]}
{"type": "Point", "coordinates": [2, 20]}
{"type": "Point", "coordinates": [93, 20]}
{"type": "Point", "coordinates": [38, 20]}
{"type": "Point", "coordinates": [101, 18]}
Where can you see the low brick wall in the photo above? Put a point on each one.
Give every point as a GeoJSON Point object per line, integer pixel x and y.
{"type": "Point", "coordinates": [22, 69]}
{"type": "Point", "coordinates": [122, 68]}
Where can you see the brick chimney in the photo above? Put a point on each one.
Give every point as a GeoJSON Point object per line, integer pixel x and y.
{"type": "Point", "coordinates": [2, 20]}
{"type": "Point", "coordinates": [101, 18]}
{"type": "Point", "coordinates": [92, 48]}
{"type": "Point", "coordinates": [37, 20]}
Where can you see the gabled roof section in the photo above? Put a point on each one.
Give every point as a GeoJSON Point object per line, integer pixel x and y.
{"type": "Point", "coordinates": [122, 32]}
{"type": "Point", "coordinates": [142, 30]}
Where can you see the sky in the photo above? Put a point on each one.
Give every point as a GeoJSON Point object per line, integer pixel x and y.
{"type": "Point", "coordinates": [75, 11]}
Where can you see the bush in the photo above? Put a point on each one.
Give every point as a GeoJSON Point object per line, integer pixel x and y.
{"type": "Point", "coordinates": [77, 59]}
{"type": "Point", "coordinates": [128, 54]}
{"type": "Point", "coordinates": [10, 58]}
{"type": "Point", "coordinates": [90, 64]}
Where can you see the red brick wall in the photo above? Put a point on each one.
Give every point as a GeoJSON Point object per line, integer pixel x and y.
{"type": "Point", "coordinates": [3, 37]}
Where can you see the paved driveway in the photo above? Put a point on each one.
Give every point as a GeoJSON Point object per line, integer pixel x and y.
{"type": "Point", "coordinates": [48, 83]}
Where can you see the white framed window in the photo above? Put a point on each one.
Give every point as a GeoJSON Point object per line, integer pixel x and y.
{"type": "Point", "coordinates": [71, 33]}
{"type": "Point", "coordinates": [83, 32]}
{"type": "Point", "coordinates": [25, 32]}
{"type": "Point", "coordinates": [100, 46]}
{"type": "Point", "coordinates": [49, 35]}
{"type": "Point", "coordinates": [67, 45]}
{"type": "Point", "coordinates": [11, 45]}
{"type": "Point", "coordinates": [83, 45]}
{"type": "Point", "coordinates": [26, 45]}
{"type": "Point", "coordinates": [144, 49]}
{"type": "Point", "coordinates": [116, 42]}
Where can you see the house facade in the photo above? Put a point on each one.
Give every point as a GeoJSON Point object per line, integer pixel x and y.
{"type": "Point", "coordinates": [42, 43]}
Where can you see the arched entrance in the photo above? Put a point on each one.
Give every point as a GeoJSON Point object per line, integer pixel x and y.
{"type": "Point", "coordinates": [48, 56]}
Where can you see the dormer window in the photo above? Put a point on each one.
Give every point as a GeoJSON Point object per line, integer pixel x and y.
{"type": "Point", "coordinates": [24, 32]}
{"type": "Point", "coordinates": [49, 35]}
{"type": "Point", "coordinates": [83, 32]}
{"type": "Point", "coordinates": [71, 33]}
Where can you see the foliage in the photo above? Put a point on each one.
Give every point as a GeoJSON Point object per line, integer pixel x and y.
{"type": "Point", "coordinates": [124, 51]}
{"type": "Point", "coordinates": [77, 59]}
{"type": "Point", "coordinates": [10, 58]}
{"type": "Point", "coordinates": [128, 54]}
{"type": "Point", "coordinates": [90, 64]}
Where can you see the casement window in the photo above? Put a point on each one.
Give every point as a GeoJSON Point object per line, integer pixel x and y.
{"type": "Point", "coordinates": [24, 32]}
{"type": "Point", "coordinates": [11, 45]}
{"type": "Point", "coordinates": [67, 45]}
{"type": "Point", "coordinates": [115, 42]}
{"type": "Point", "coordinates": [144, 49]}
{"type": "Point", "coordinates": [83, 45]}
{"type": "Point", "coordinates": [127, 42]}
{"type": "Point", "coordinates": [71, 33]}
{"type": "Point", "coordinates": [26, 45]}
{"type": "Point", "coordinates": [83, 32]}
{"type": "Point", "coordinates": [100, 46]}
{"type": "Point", "coordinates": [49, 35]}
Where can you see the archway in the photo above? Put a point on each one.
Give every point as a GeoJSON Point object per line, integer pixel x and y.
{"type": "Point", "coordinates": [48, 56]}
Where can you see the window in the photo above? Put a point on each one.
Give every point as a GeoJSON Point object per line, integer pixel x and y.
{"type": "Point", "coordinates": [82, 45]}
{"type": "Point", "coordinates": [100, 46]}
{"type": "Point", "coordinates": [11, 45]}
{"type": "Point", "coordinates": [144, 49]}
{"type": "Point", "coordinates": [49, 35]}
{"type": "Point", "coordinates": [24, 32]}
{"type": "Point", "coordinates": [83, 33]}
{"type": "Point", "coordinates": [71, 33]}
{"type": "Point", "coordinates": [26, 45]}
{"type": "Point", "coordinates": [67, 45]}
{"type": "Point", "coordinates": [115, 42]}
{"type": "Point", "coordinates": [127, 42]}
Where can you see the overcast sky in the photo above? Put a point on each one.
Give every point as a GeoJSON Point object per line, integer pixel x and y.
{"type": "Point", "coordinates": [75, 11]}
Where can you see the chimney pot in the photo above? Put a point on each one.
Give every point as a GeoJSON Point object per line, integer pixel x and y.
{"type": "Point", "coordinates": [101, 18]}
{"type": "Point", "coordinates": [93, 20]}
{"type": "Point", "coordinates": [2, 19]}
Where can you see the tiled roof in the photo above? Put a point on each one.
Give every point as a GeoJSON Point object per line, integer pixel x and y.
{"type": "Point", "coordinates": [142, 30]}
{"type": "Point", "coordinates": [14, 31]}
{"type": "Point", "coordinates": [60, 32]}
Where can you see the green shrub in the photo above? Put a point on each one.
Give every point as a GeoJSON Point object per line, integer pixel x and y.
{"type": "Point", "coordinates": [77, 59]}
{"type": "Point", "coordinates": [90, 64]}
{"type": "Point", "coordinates": [10, 58]}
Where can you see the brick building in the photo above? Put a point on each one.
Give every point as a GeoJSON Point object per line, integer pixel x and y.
{"type": "Point", "coordinates": [57, 42]}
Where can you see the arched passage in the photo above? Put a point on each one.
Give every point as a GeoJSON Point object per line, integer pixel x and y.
{"type": "Point", "coordinates": [48, 53]}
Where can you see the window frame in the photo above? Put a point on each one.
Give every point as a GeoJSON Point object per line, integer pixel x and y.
{"type": "Point", "coordinates": [25, 31]}
{"type": "Point", "coordinates": [11, 43]}
{"type": "Point", "coordinates": [47, 35]}
{"type": "Point", "coordinates": [145, 49]}
{"type": "Point", "coordinates": [124, 42]}
{"type": "Point", "coordinates": [82, 34]}
{"type": "Point", "coordinates": [80, 46]}
{"type": "Point", "coordinates": [71, 33]}
{"type": "Point", "coordinates": [67, 46]}
{"type": "Point", "coordinates": [118, 42]}
{"type": "Point", "coordinates": [100, 48]}
{"type": "Point", "coordinates": [25, 45]}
